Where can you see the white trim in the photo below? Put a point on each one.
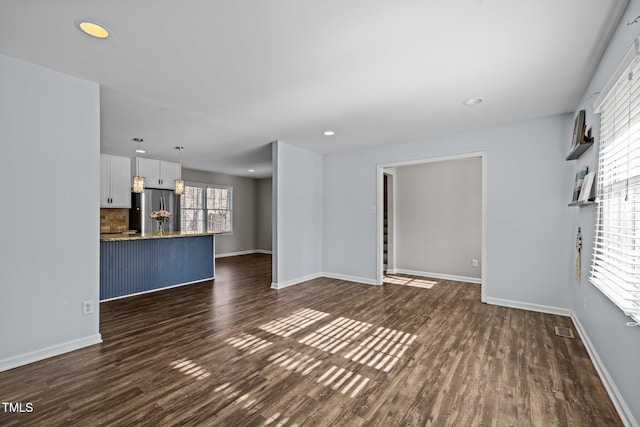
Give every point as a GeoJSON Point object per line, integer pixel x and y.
{"type": "Point", "coordinates": [391, 271]}
{"type": "Point", "coordinates": [484, 291]}
{"type": "Point", "coordinates": [559, 311]}
{"type": "Point", "coordinates": [623, 410]}
{"type": "Point", "coordinates": [295, 281]}
{"type": "Point", "coordinates": [45, 353]}
{"type": "Point", "coordinates": [159, 289]}
{"type": "Point", "coordinates": [248, 252]}
{"type": "Point", "coordinates": [355, 279]}
{"type": "Point", "coordinates": [438, 276]}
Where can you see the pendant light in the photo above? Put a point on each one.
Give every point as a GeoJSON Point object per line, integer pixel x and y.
{"type": "Point", "coordinates": [178, 184]}
{"type": "Point", "coordinates": [138, 181]}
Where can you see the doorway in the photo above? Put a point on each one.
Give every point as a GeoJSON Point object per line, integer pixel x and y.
{"type": "Point", "coordinates": [390, 234]}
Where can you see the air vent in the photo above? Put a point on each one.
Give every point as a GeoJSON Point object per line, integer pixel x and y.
{"type": "Point", "coordinates": [563, 331]}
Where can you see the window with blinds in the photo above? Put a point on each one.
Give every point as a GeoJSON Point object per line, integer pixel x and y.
{"type": "Point", "coordinates": [615, 267]}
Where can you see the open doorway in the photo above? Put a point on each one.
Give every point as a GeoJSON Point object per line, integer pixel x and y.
{"type": "Point", "coordinates": [432, 218]}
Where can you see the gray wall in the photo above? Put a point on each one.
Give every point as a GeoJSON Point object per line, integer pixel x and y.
{"type": "Point", "coordinates": [249, 230]}
{"type": "Point", "coordinates": [49, 251]}
{"type": "Point", "coordinates": [615, 344]}
{"type": "Point", "coordinates": [298, 198]}
{"type": "Point", "coordinates": [528, 223]}
{"type": "Point", "coordinates": [439, 217]}
{"type": "Point", "coordinates": [264, 209]}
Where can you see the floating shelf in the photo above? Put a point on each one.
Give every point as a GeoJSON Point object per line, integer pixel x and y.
{"type": "Point", "coordinates": [579, 149]}
{"type": "Point", "coordinates": [582, 203]}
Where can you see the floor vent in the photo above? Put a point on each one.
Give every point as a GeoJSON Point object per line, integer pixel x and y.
{"type": "Point", "coordinates": [563, 331]}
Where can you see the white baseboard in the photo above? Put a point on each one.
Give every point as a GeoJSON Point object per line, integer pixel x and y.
{"type": "Point", "coordinates": [622, 408]}
{"type": "Point", "coordinates": [350, 278]}
{"type": "Point", "coordinates": [295, 281]}
{"type": "Point", "coordinates": [531, 307]}
{"type": "Point", "coordinates": [160, 289]}
{"type": "Point", "coordinates": [45, 353]}
{"type": "Point", "coordinates": [391, 271]}
{"type": "Point", "coordinates": [248, 252]}
{"type": "Point", "coordinates": [437, 275]}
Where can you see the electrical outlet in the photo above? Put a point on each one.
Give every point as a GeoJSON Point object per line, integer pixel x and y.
{"type": "Point", "coordinates": [585, 304]}
{"type": "Point", "coordinates": [87, 307]}
{"type": "Point", "coordinates": [474, 262]}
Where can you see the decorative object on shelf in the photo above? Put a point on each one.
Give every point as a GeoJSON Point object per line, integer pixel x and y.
{"type": "Point", "coordinates": [138, 181]}
{"type": "Point", "coordinates": [581, 139]}
{"type": "Point", "coordinates": [587, 193]}
{"type": "Point", "coordinates": [579, 129]}
{"type": "Point", "coordinates": [578, 255]}
{"type": "Point", "coordinates": [579, 181]}
{"type": "Point", "coordinates": [178, 184]}
{"type": "Point", "coordinates": [161, 216]}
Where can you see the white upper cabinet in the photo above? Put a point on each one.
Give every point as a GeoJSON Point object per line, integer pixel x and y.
{"type": "Point", "coordinates": [157, 173]}
{"type": "Point", "coordinates": [115, 182]}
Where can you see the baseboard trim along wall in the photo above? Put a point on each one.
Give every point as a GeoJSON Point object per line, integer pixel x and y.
{"type": "Point", "coordinates": [295, 281]}
{"type": "Point", "coordinates": [609, 385]}
{"type": "Point", "coordinates": [437, 275]}
{"type": "Point", "coordinates": [531, 307]}
{"type": "Point", "coordinates": [350, 278]}
{"type": "Point", "coordinates": [159, 289]}
{"type": "Point", "coordinates": [45, 353]}
{"type": "Point", "coordinates": [249, 252]}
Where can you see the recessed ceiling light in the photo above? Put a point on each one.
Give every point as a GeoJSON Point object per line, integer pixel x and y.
{"type": "Point", "coordinates": [92, 28]}
{"type": "Point", "coordinates": [473, 101]}
{"type": "Point", "coordinates": [140, 151]}
{"type": "Point", "coordinates": [328, 133]}
{"type": "Point", "coordinates": [251, 170]}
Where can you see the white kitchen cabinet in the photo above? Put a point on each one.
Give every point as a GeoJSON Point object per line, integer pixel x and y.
{"type": "Point", "coordinates": [115, 182]}
{"type": "Point", "coordinates": [157, 173]}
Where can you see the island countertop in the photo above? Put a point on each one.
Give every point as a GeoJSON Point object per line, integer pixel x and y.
{"type": "Point", "coordinates": [141, 236]}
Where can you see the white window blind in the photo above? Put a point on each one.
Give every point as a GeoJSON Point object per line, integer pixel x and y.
{"type": "Point", "coordinates": [615, 267]}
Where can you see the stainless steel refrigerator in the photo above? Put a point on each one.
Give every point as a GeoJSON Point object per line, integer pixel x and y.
{"type": "Point", "coordinates": [142, 204]}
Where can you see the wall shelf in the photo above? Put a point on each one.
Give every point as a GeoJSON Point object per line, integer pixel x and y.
{"type": "Point", "coordinates": [579, 149]}
{"type": "Point", "coordinates": [582, 203]}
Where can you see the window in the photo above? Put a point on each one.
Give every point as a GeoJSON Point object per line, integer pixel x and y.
{"type": "Point", "coordinates": [207, 208]}
{"type": "Point", "coordinates": [615, 268]}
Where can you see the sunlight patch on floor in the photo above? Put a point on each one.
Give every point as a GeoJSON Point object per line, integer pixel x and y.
{"type": "Point", "coordinates": [410, 281]}
{"type": "Point", "coordinates": [336, 335]}
{"type": "Point", "coordinates": [383, 349]}
{"type": "Point", "coordinates": [336, 377]}
{"type": "Point", "coordinates": [295, 361]}
{"type": "Point", "coordinates": [248, 343]}
{"type": "Point", "coordinates": [286, 326]}
{"type": "Point", "coordinates": [188, 367]}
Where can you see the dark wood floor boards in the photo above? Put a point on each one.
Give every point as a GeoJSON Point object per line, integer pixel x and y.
{"type": "Point", "coordinates": [202, 355]}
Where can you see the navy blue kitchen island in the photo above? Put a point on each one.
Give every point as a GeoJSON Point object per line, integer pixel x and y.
{"type": "Point", "coordinates": [139, 263]}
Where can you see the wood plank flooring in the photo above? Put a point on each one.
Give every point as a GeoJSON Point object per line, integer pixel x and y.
{"type": "Point", "coordinates": [233, 352]}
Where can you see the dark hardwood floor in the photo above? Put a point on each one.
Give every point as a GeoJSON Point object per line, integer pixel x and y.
{"type": "Point", "coordinates": [233, 352]}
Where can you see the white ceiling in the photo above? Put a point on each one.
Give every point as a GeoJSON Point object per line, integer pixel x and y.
{"type": "Point", "coordinates": [225, 78]}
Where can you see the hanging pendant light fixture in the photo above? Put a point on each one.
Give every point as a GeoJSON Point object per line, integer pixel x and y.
{"type": "Point", "coordinates": [138, 181]}
{"type": "Point", "coordinates": [178, 184]}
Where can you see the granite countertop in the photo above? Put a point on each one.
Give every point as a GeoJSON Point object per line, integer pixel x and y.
{"type": "Point", "coordinates": [164, 235]}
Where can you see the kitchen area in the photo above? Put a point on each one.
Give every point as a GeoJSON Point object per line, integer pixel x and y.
{"type": "Point", "coordinates": [143, 246]}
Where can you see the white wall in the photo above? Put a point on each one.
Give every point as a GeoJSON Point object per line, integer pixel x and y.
{"type": "Point", "coordinates": [617, 346]}
{"type": "Point", "coordinates": [528, 237]}
{"type": "Point", "coordinates": [297, 178]}
{"type": "Point", "coordinates": [439, 218]}
{"type": "Point", "coordinates": [49, 251]}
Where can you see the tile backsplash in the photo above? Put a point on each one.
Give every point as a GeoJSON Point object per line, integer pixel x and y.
{"type": "Point", "coordinates": [114, 219]}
